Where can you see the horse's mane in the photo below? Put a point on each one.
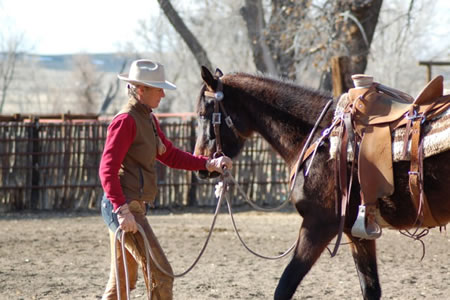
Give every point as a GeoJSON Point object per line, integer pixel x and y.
{"type": "Point", "coordinates": [278, 93]}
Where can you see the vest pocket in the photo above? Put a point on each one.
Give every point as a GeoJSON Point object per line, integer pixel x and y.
{"type": "Point", "coordinates": [139, 183]}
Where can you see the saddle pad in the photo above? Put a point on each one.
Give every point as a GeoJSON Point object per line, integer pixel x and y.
{"type": "Point", "coordinates": [436, 136]}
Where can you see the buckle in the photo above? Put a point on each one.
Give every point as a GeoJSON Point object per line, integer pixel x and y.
{"type": "Point", "coordinates": [216, 118]}
{"type": "Point", "coordinates": [229, 122]}
{"type": "Point", "coordinates": [415, 116]}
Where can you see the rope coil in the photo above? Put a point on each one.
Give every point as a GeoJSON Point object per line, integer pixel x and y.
{"type": "Point", "coordinates": [226, 178]}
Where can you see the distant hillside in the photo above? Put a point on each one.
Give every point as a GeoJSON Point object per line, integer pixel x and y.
{"type": "Point", "coordinates": [106, 62]}
{"type": "Point", "coordinates": [46, 84]}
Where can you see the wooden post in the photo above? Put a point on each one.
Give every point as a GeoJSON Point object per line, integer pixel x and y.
{"type": "Point", "coordinates": [340, 75]}
{"type": "Point", "coordinates": [430, 64]}
{"type": "Point", "coordinates": [429, 73]}
{"type": "Point", "coordinates": [35, 176]}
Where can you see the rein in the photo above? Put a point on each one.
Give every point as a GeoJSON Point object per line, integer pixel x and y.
{"type": "Point", "coordinates": [307, 149]}
{"type": "Point", "coordinates": [306, 152]}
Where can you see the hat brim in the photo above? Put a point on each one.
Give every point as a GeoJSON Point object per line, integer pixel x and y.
{"type": "Point", "coordinates": [158, 84]}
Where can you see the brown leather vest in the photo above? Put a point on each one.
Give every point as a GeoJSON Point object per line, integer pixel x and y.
{"type": "Point", "coordinates": [137, 172]}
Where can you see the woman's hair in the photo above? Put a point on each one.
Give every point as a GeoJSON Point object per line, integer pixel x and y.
{"type": "Point", "coordinates": [132, 91]}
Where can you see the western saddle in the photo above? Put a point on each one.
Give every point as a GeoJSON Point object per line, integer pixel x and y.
{"type": "Point", "coordinates": [372, 113]}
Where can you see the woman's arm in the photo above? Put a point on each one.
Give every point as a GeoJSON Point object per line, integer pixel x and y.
{"type": "Point", "coordinates": [121, 133]}
{"type": "Point", "coordinates": [177, 158]}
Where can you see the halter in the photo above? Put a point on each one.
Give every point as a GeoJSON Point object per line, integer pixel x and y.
{"type": "Point", "coordinates": [216, 117]}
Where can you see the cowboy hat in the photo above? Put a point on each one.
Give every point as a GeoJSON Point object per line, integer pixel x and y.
{"type": "Point", "coordinates": [148, 73]}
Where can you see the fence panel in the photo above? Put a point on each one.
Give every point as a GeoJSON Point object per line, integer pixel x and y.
{"type": "Point", "coordinates": [16, 159]}
{"type": "Point", "coordinates": [54, 165]}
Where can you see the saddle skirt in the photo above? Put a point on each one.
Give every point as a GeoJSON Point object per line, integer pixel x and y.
{"type": "Point", "coordinates": [436, 135]}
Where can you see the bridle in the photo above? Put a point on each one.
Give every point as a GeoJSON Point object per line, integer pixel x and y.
{"type": "Point", "coordinates": [219, 108]}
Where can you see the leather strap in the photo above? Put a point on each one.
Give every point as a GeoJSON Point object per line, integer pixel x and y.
{"type": "Point", "coordinates": [424, 215]}
{"type": "Point", "coordinates": [217, 116]}
{"type": "Point", "coordinates": [229, 121]}
{"type": "Point", "coordinates": [414, 173]}
{"type": "Point", "coordinates": [407, 132]}
{"type": "Point", "coordinates": [216, 124]}
{"type": "Point", "coordinates": [341, 172]}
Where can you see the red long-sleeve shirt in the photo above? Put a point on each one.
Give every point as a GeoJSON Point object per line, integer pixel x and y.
{"type": "Point", "coordinates": [121, 133]}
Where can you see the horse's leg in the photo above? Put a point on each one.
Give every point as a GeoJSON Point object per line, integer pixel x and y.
{"type": "Point", "coordinates": [365, 257]}
{"type": "Point", "coordinates": [313, 240]}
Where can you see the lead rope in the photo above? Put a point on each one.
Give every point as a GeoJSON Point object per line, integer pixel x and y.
{"type": "Point", "coordinates": [224, 188]}
{"type": "Point", "coordinates": [125, 264]}
{"type": "Point", "coordinates": [253, 204]}
{"type": "Point", "coordinates": [149, 251]}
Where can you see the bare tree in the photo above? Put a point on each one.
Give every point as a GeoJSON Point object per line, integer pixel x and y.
{"type": "Point", "coordinates": [10, 48]}
{"type": "Point", "coordinates": [287, 35]}
{"type": "Point", "coordinates": [113, 89]}
{"type": "Point", "coordinates": [220, 30]}
{"type": "Point", "coordinates": [282, 30]}
{"type": "Point", "coordinates": [196, 48]}
{"type": "Point", "coordinates": [253, 14]}
{"type": "Point", "coordinates": [88, 81]}
{"type": "Point", "coordinates": [297, 39]}
{"type": "Point", "coordinates": [305, 33]}
{"type": "Point", "coordinates": [353, 30]}
{"type": "Point", "coordinates": [405, 34]}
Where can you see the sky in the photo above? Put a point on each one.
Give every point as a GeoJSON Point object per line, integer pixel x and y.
{"type": "Point", "coordinates": [66, 27]}
{"type": "Point", "coordinates": [100, 26]}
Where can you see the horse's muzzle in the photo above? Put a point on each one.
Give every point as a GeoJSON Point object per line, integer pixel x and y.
{"type": "Point", "coordinates": [203, 174]}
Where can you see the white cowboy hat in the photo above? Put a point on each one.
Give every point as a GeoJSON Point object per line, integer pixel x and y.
{"type": "Point", "coordinates": [148, 73]}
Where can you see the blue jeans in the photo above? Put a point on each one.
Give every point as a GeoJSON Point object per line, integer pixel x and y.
{"type": "Point", "coordinates": [109, 217]}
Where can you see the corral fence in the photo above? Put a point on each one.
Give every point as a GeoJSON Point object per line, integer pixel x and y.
{"type": "Point", "coordinates": [52, 164]}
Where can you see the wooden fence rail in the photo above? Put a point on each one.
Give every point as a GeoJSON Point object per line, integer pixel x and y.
{"type": "Point", "coordinates": [54, 166]}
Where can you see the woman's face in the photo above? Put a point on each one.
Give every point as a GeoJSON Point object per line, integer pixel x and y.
{"type": "Point", "coordinates": [150, 96]}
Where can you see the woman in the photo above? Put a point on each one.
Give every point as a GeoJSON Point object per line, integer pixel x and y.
{"type": "Point", "coordinates": [127, 172]}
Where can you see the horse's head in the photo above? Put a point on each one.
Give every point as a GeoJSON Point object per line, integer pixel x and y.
{"type": "Point", "coordinates": [220, 130]}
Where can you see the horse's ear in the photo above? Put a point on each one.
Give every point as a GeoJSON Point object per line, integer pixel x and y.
{"type": "Point", "coordinates": [218, 73]}
{"type": "Point", "coordinates": [208, 78]}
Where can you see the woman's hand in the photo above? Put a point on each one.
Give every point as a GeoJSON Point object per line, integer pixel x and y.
{"type": "Point", "coordinates": [126, 219]}
{"type": "Point", "coordinates": [218, 164]}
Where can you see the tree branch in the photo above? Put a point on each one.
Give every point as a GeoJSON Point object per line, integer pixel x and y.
{"type": "Point", "coordinates": [191, 41]}
{"type": "Point", "coordinates": [253, 16]}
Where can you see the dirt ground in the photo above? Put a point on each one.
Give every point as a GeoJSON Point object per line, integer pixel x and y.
{"type": "Point", "coordinates": [66, 256]}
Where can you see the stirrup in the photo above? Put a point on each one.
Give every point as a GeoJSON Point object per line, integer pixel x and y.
{"type": "Point", "coordinates": [359, 228]}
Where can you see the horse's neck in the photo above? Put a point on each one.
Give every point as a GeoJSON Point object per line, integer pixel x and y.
{"type": "Point", "coordinates": [286, 130]}
{"type": "Point", "coordinates": [284, 137]}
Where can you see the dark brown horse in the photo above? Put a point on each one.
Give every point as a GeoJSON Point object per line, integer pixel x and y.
{"type": "Point", "coordinates": [284, 114]}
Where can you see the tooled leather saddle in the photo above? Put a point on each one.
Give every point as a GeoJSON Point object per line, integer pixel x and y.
{"type": "Point", "coordinates": [373, 112]}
